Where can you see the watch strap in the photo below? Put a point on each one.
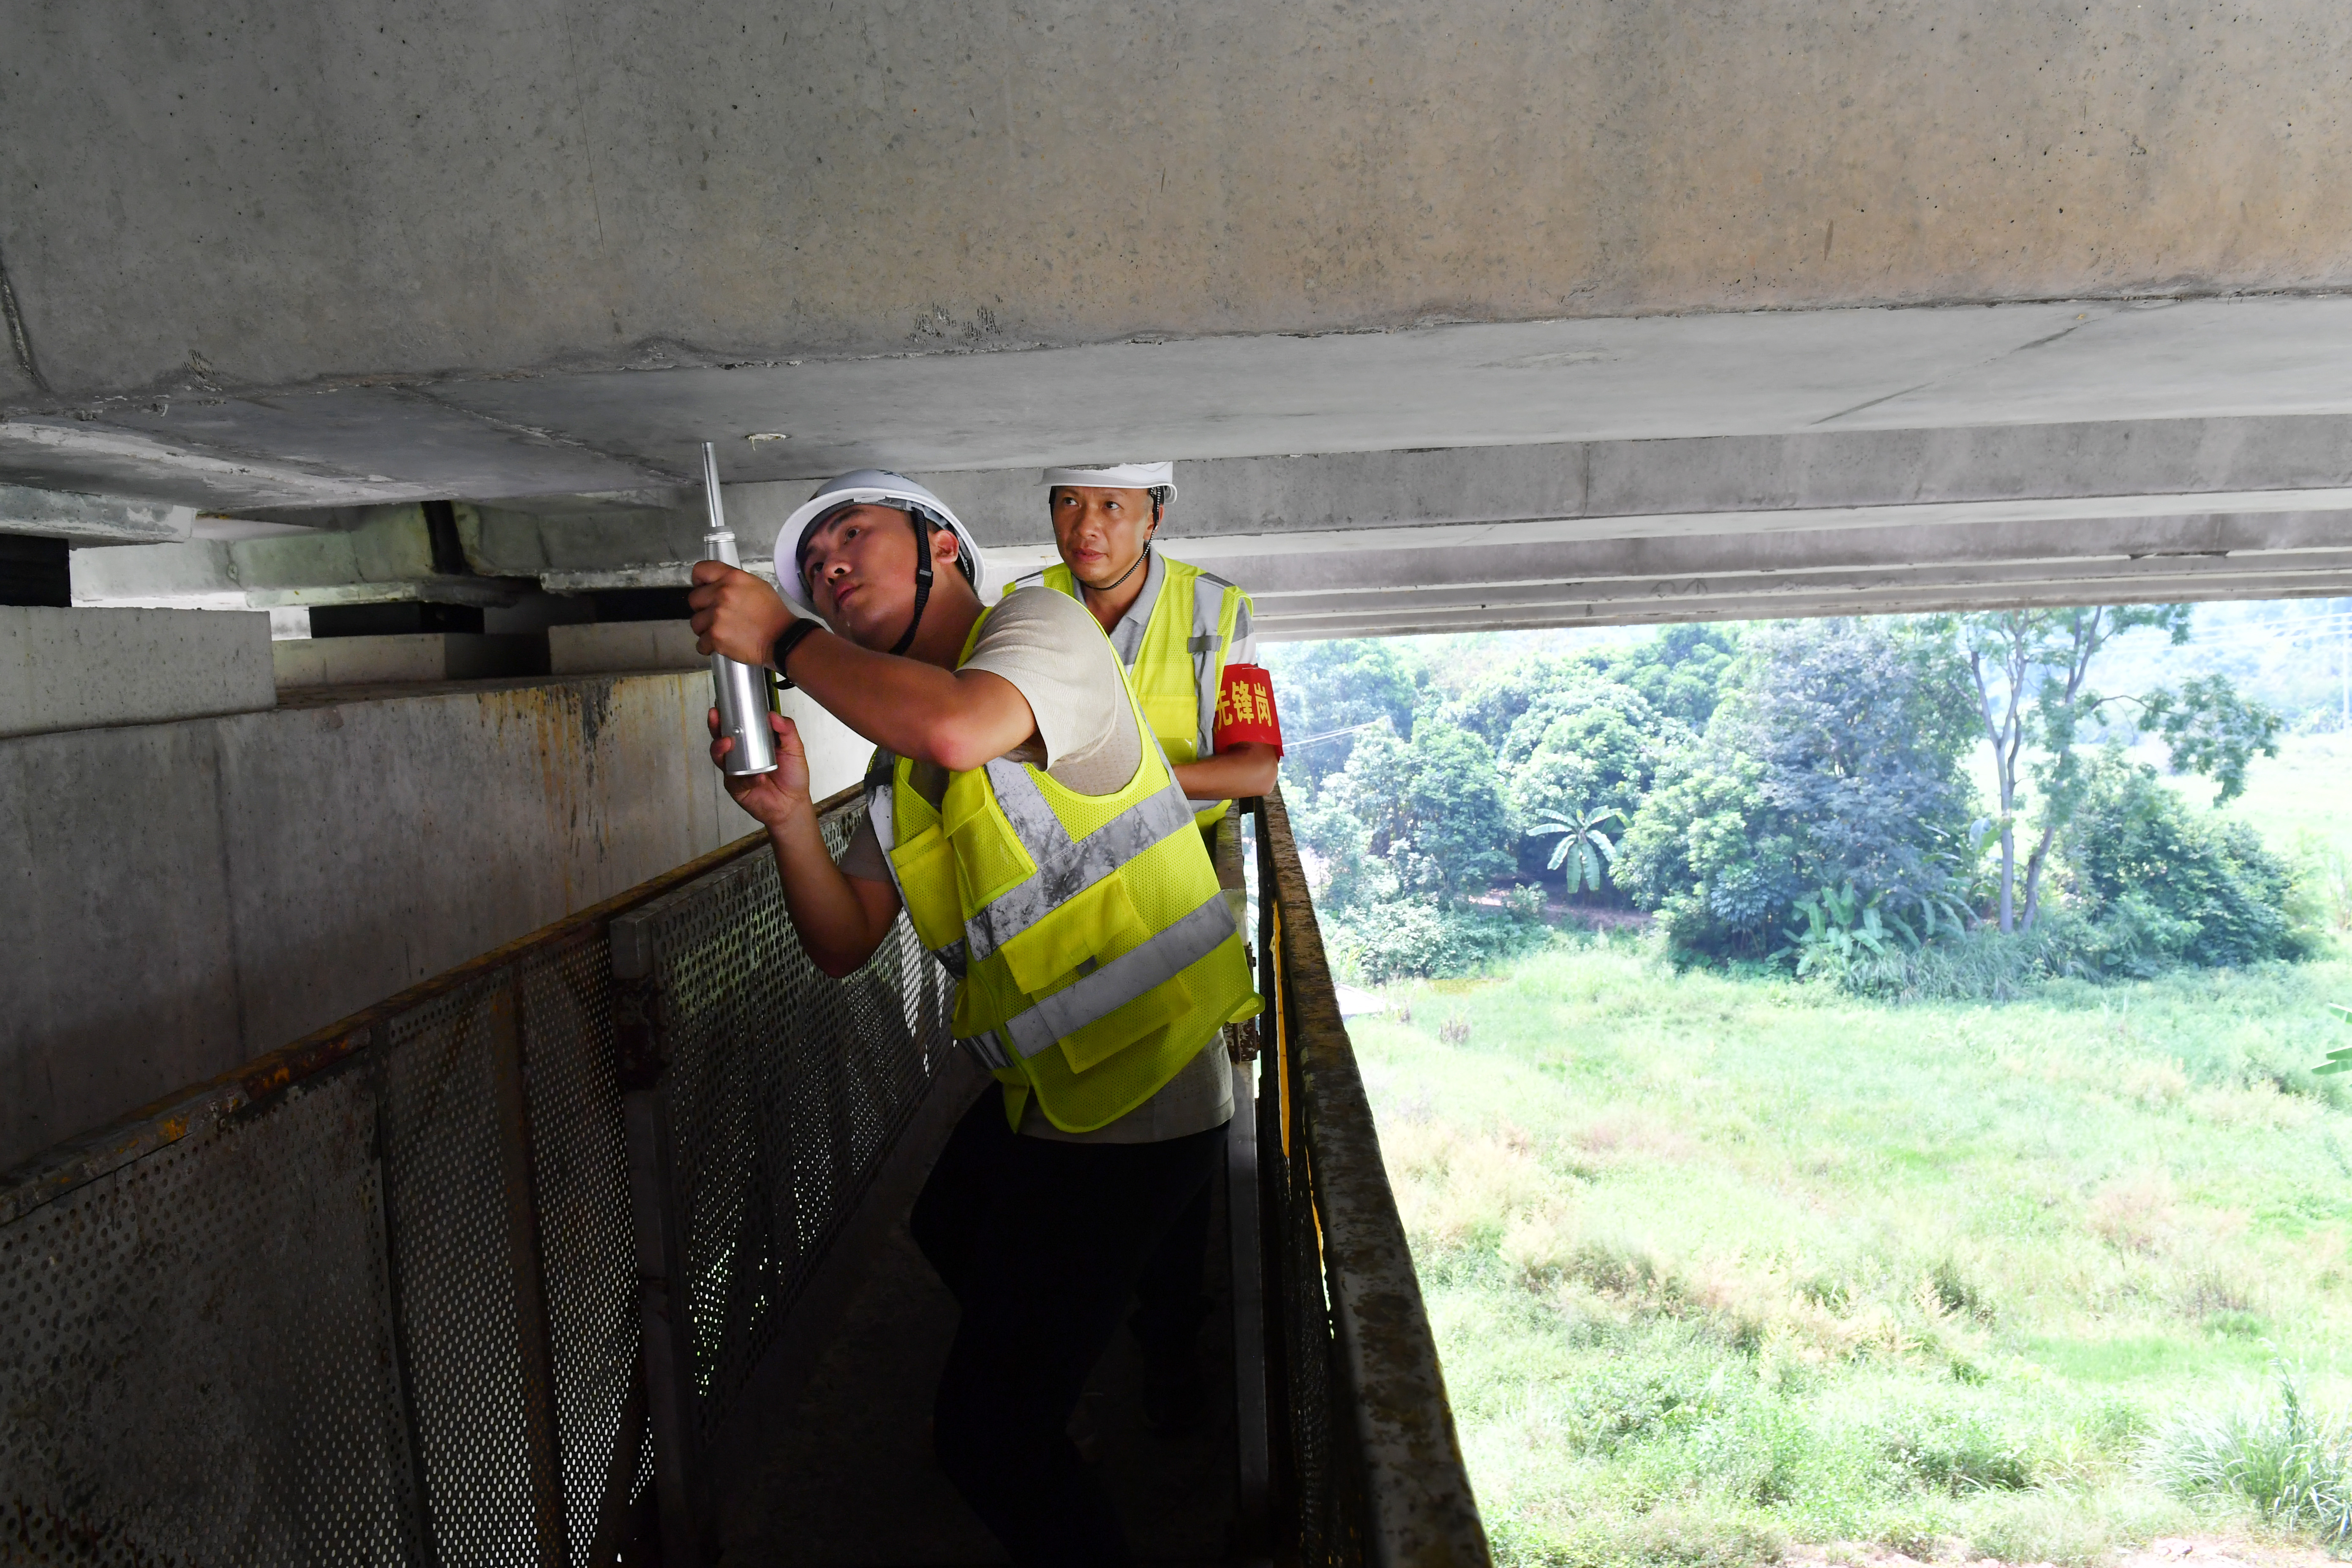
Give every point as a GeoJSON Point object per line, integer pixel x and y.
{"type": "Point", "coordinates": [787, 640]}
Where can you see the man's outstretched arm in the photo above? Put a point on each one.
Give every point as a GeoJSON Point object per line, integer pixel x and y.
{"type": "Point", "coordinates": [956, 718]}
{"type": "Point", "coordinates": [1236, 772]}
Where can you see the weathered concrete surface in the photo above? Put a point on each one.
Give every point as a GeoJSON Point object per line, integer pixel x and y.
{"type": "Point", "coordinates": [345, 256]}
{"type": "Point", "coordinates": [84, 668]}
{"type": "Point", "coordinates": [91, 519]}
{"type": "Point", "coordinates": [417, 656]}
{"type": "Point", "coordinates": [292, 192]}
{"type": "Point", "coordinates": [1659, 378]}
{"type": "Point", "coordinates": [622, 644]}
{"type": "Point", "coordinates": [210, 890]}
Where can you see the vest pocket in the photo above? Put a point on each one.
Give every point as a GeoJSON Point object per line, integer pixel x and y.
{"type": "Point", "coordinates": [1147, 1014]}
{"type": "Point", "coordinates": [927, 880]}
{"type": "Point", "coordinates": [988, 859]}
{"type": "Point", "coordinates": [1083, 931]}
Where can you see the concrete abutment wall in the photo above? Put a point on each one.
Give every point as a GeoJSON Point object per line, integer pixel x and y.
{"type": "Point", "coordinates": [190, 894]}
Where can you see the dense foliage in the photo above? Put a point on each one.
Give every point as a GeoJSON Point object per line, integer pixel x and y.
{"type": "Point", "coordinates": [1833, 762]}
{"type": "Point", "coordinates": [2167, 884]}
{"type": "Point", "coordinates": [1794, 795]}
{"type": "Point", "coordinates": [1328, 687]}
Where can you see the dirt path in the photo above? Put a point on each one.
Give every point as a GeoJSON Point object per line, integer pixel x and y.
{"type": "Point", "coordinates": [2166, 1551]}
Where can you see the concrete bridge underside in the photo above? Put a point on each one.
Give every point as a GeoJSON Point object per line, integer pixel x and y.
{"type": "Point", "coordinates": [1486, 316]}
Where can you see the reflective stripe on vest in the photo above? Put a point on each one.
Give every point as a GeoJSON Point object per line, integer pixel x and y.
{"type": "Point", "coordinates": [1112, 986]}
{"type": "Point", "coordinates": [1066, 867]}
{"type": "Point", "coordinates": [1090, 922]}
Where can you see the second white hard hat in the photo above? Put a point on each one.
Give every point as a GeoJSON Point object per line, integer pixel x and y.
{"type": "Point", "coordinates": [1116, 476]}
{"type": "Point", "coordinates": [868, 487]}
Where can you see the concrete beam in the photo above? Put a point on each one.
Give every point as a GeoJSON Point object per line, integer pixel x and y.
{"type": "Point", "coordinates": [2077, 502]}
{"type": "Point", "coordinates": [1667, 610]}
{"type": "Point", "coordinates": [1529, 384]}
{"type": "Point", "coordinates": [92, 520]}
{"type": "Point", "coordinates": [92, 669]}
{"type": "Point", "coordinates": [294, 193]}
{"type": "Point", "coordinates": [367, 555]}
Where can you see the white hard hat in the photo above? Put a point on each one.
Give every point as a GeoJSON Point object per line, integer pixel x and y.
{"type": "Point", "coordinates": [868, 487]}
{"type": "Point", "coordinates": [1116, 476]}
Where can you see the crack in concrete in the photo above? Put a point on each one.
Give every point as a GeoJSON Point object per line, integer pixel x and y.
{"type": "Point", "coordinates": [549, 437]}
{"type": "Point", "coordinates": [21, 345]}
{"type": "Point", "coordinates": [2075, 326]}
{"type": "Point", "coordinates": [1875, 402]}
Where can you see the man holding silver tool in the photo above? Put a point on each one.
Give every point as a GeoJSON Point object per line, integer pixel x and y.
{"type": "Point", "coordinates": [1025, 818]}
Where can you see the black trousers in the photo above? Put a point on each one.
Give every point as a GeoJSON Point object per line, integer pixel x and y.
{"type": "Point", "coordinates": [1043, 1244]}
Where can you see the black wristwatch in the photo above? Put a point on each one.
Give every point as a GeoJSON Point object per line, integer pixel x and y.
{"type": "Point", "coordinates": [787, 640]}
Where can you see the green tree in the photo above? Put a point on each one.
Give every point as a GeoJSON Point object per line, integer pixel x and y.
{"type": "Point", "coordinates": [2031, 671]}
{"type": "Point", "coordinates": [1833, 759]}
{"type": "Point", "coordinates": [2163, 883]}
{"type": "Point", "coordinates": [1680, 672]}
{"type": "Point", "coordinates": [1423, 818]}
{"type": "Point", "coordinates": [1328, 687]}
{"type": "Point", "coordinates": [1589, 746]}
{"type": "Point", "coordinates": [1583, 848]}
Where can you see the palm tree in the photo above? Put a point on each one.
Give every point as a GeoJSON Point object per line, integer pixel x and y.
{"type": "Point", "coordinates": [1583, 848]}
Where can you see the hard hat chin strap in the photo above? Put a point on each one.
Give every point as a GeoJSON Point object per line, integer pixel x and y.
{"type": "Point", "coordinates": [922, 582]}
{"type": "Point", "coordinates": [1112, 586]}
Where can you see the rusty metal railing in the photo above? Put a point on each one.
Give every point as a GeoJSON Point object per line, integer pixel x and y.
{"type": "Point", "coordinates": [1366, 1465]}
{"type": "Point", "coordinates": [469, 1276]}
{"type": "Point", "coordinates": [376, 1297]}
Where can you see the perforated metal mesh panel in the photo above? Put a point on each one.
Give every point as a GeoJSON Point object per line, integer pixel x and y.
{"type": "Point", "coordinates": [391, 1316]}
{"type": "Point", "coordinates": [581, 1179]}
{"type": "Point", "coordinates": [786, 1089]}
{"type": "Point", "coordinates": [444, 1145]}
{"type": "Point", "coordinates": [1326, 1491]}
{"type": "Point", "coordinates": [197, 1356]}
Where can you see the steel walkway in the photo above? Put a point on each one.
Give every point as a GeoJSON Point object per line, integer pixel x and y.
{"type": "Point", "coordinates": [593, 1250]}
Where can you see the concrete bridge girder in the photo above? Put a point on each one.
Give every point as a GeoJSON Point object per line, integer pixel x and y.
{"type": "Point", "coordinates": [1601, 273]}
{"type": "Point", "coordinates": [353, 189]}
{"type": "Point", "coordinates": [1588, 532]}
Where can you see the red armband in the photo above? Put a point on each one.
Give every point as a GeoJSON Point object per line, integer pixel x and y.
{"type": "Point", "coordinates": [1245, 708]}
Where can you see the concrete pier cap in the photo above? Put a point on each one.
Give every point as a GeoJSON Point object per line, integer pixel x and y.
{"type": "Point", "coordinates": [1455, 317]}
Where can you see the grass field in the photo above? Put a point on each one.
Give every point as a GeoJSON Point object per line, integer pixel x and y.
{"type": "Point", "coordinates": [1717, 1266]}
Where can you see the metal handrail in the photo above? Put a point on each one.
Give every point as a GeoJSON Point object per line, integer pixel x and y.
{"type": "Point", "coordinates": [1397, 1490]}
{"type": "Point", "coordinates": [407, 1209]}
{"type": "Point", "coordinates": [62, 1167]}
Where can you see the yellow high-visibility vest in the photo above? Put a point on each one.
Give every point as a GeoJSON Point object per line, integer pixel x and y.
{"type": "Point", "coordinates": [1092, 949]}
{"type": "Point", "coordinates": [1182, 660]}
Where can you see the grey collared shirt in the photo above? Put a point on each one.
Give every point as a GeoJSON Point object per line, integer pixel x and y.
{"type": "Point", "coordinates": [1126, 637]}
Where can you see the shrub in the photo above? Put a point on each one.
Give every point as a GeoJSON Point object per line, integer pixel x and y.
{"type": "Point", "coordinates": [1981, 965]}
{"type": "Point", "coordinates": [1417, 937]}
{"type": "Point", "coordinates": [1956, 1451]}
{"type": "Point", "coordinates": [2164, 883]}
{"type": "Point", "coordinates": [2290, 1462]}
{"type": "Point", "coordinates": [1526, 903]}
